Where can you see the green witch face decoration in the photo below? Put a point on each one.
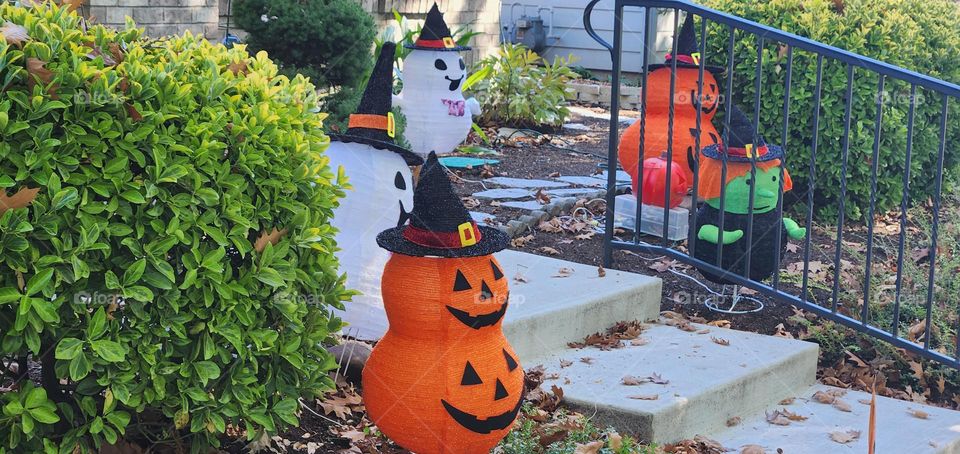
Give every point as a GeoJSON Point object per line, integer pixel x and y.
{"type": "Point", "coordinates": [766, 192]}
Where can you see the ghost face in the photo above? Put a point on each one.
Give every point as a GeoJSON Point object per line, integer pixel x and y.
{"type": "Point", "coordinates": [381, 194]}
{"type": "Point", "coordinates": [434, 71]}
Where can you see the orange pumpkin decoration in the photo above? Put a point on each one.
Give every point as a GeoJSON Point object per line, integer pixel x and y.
{"type": "Point", "coordinates": [686, 103]}
{"type": "Point", "coordinates": [443, 379]}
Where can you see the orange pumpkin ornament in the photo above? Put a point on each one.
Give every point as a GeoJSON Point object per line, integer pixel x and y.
{"type": "Point", "coordinates": [443, 379]}
{"type": "Point", "coordinates": [655, 183]}
{"type": "Point", "coordinates": [686, 102]}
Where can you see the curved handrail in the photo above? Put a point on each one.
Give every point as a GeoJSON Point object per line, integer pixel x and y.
{"type": "Point", "coordinates": [588, 26]}
{"type": "Point", "coordinates": [773, 34]}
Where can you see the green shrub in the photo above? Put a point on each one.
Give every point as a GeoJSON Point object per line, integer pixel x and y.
{"type": "Point", "coordinates": [915, 34]}
{"type": "Point", "coordinates": [132, 279]}
{"type": "Point", "coordinates": [328, 41]}
{"type": "Point", "coordinates": [515, 90]}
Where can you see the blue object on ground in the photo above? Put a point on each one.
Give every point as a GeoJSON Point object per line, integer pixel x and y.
{"type": "Point", "coordinates": [460, 162]}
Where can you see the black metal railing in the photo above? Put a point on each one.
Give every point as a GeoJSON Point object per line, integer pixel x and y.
{"type": "Point", "coordinates": [801, 294]}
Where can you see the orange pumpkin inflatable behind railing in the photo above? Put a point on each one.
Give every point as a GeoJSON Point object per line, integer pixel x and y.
{"type": "Point", "coordinates": [443, 380]}
{"type": "Point", "coordinates": [687, 99]}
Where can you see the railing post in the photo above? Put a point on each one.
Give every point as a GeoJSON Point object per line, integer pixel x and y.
{"type": "Point", "coordinates": [614, 137]}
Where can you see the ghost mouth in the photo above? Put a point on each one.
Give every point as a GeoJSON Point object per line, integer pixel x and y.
{"type": "Point", "coordinates": [454, 83]}
{"type": "Point", "coordinates": [484, 425]}
{"type": "Point", "coordinates": [479, 321]}
{"type": "Point", "coordinates": [404, 216]}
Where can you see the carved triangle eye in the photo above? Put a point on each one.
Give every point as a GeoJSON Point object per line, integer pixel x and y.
{"type": "Point", "coordinates": [470, 376]}
{"type": "Point", "coordinates": [461, 284]}
{"type": "Point", "coordinates": [511, 363]}
{"type": "Point", "coordinates": [501, 391]}
{"type": "Point", "coordinates": [497, 273]}
{"type": "Point", "coordinates": [485, 292]}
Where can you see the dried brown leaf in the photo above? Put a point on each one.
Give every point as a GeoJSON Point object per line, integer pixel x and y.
{"type": "Point", "coordinates": [563, 272]}
{"type": "Point", "coordinates": [919, 414]}
{"type": "Point", "coordinates": [644, 396]}
{"type": "Point", "coordinates": [13, 34]}
{"type": "Point", "coordinates": [720, 341]}
{"type": "Point", "coordinates": [548, 250]}
{"type": "Point", "coordinates": [21, 199]}
{"type": "Point", "coordinates": [841, 405]}
{"type": "Point", "coordinates": [273, 237]}
{"type": "Point", "coordinates": [752, 449]}
{"type": "Point", "coordinates": [846, 436]}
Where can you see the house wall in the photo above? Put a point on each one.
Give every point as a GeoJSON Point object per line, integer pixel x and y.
{"type": "Point", "coordinates": [482, 16]}
{"type": "Point", "coordinates": [570, 37]}
{"type": "Point", "coordinates": [160, 17]}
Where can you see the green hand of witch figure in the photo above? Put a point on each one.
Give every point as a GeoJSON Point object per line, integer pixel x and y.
{"type": "Point", "coordinates": [752, 170]}
{"type": "Point", "coordinates": [737, 194]}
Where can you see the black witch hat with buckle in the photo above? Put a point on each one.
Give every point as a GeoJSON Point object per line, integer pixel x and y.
{"type": "Point", "coordinates": [688, 50]}
{"type": "Point", "coordinates": [373, 123]}
{"type": "Point", "coordinates": [435, 35]}
{"type": "Point", "coordinates": [440, 226]}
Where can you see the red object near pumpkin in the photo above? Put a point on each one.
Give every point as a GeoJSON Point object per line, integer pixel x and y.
{"type": "Point", "coordinates": [655, 183]}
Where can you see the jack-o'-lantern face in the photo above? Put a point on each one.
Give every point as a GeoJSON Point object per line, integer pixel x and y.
{"type": "Point", "coordinates": [486, 395]}
{"type": "Point", "coordinates": [478, 291]}
{"type": "Point", "coordinates": [686, 101]}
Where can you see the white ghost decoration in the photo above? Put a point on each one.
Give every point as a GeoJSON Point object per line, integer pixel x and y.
{"type": "Point", "coordinates": [381, 198]}
{"type": "Point", "coordinates": [438, 117]}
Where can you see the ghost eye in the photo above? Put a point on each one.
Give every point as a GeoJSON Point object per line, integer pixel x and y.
{"type": "Point", "coordinates": [440, 64]}
{"type": "Point", "coordinates": [749, 182]}
{"type": "Point", "coordinates": [399, 182]}
{"type": "Point", "coordinates": [774, 178]}
{"type": "Point", "coordinates": [462, 64]}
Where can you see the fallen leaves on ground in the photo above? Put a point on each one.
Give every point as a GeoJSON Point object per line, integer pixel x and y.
{"type": "Point", "coordinates": [845, 436]}
{"type": "Point", "coordinates": [655, 378]}
{"type": "Point", "coordinates": [343, 403]}
{"type": "Point", "coordinates": [734, 421]}
{"type": "Point", "coordinates": [548, 250]}
{"type": "Point", "coordinates": [601, 272]}
{"type": "Point", "coordinates": [752, 449]}
{"type": "Point", "coordinates": [919, 414]}
{"type": "Point", "coordinates": [565, 363]}
{"type": "Point", "coordinates": [520, 278]}
{"type": "Point", "coordinates": [621, 331]}
{"type": "Point", "coordinates": [644, 397]}
{"type": "Point", "coordinates": [720, 341]}
{"type": "Point", "coordinates": [542, 197]}
{"type": "Point", "coordinates": [563, 272]}
{"type": "Point", "coordinates": [15, 35]}
{"type": "Point", "coordinates": [699, 445]}
{"type": "Point", "coordinates": [784, 417]}
{"type": "Point", "coordinates": [521, 241]}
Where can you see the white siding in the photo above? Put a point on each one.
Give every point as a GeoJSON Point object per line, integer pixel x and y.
{"type": "Point", "coordinates": [573, 38]}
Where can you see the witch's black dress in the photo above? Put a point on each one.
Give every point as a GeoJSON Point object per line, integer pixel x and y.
{"type": "Point", "coordinates": [763, 256]}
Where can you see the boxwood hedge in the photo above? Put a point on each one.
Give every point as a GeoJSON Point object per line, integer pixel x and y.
{"type": "Point", "coordinates": [135, 280]}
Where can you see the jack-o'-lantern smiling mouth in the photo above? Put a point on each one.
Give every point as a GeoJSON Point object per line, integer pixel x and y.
{"type": "Point", "coordinates": [454, 83]}
{"type": "Point", "coordinates": [479, 321]}
{"type": "Point", "coordinates": [485, 425]}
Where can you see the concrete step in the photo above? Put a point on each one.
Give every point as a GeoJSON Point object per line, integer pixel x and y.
{"type": "Point", "coordinates": [898, 429]}
{"type": "Point", "coordinates": [550, 307]}
{"type": "Point", "coordinates": [708, 383]}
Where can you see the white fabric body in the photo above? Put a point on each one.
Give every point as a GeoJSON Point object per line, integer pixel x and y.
{"type": "Point", "coordinates": [438, 117]}
{"type": "Point", "coordinates": [373, 205]}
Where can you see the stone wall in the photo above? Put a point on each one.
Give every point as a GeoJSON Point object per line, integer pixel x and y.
{"type": "Point", "coordinates": [482, 16]}
{"type": "Point", "coordinates": [160, 17]}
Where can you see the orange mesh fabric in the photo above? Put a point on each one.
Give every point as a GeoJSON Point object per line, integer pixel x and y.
{"type": "Point", "coordinates": [657, 127]}
{"type": "Point", "coordinates": [443, 379]}
{"type": "Point", "coordinates": [711, 173]}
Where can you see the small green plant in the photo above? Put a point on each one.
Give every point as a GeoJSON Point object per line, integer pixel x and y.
{"type": "Point", "coordinates": [537, 432]}
{"type": "Point", "coordinates": [139, 280]}
{"type": "Point", "coordinates": [519, 88]}
{"type": "Point", "coordinates": [919, 35]}
{"type": "Point", "coordinates": [328, 41]}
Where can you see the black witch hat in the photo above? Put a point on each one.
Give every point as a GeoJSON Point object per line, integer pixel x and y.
{"type": "Point", "coordinates": [435, 35]}
{"type": "Point", "coordinates": [440, 226]}
{"type": "Point", "coordinates": [688, 50]}
{"type": "Point", "coordinates": [373, 123]}
{"type": "Point", "coordinates": [740, 146]}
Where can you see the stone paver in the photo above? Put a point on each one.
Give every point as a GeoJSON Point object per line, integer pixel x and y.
{"type": "Point", "coordinates": [528, 205]}
{"type": "Point", "coordinates": [571, 192]}
{"type": "Point", "coordinates": [594, 181]}
{"type": "Point", "coordinates": [503, 194]}
{"type": "Point", "coordinates": [526, 183]}
{"type": "Point", "coordinates": [481, 218]}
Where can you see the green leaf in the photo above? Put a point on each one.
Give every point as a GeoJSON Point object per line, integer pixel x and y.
{"type": "Point", "coordinates": [79, 367]}
{"type": "Point", "coordinates": [64, 198]}
{"type": "Point", "coordinates": [98, 324]}
{"type": "Point", "coordinates": [9, 295]}
{"type": "Point", "coordinates": [270, 277]}
{"type": "Point", "coordinates": [37, 397]}
{"type": "Point", "coordinates": [108, 350]}
{"type": "Point", "coordinates": [44, 415]}
{"type": "Point", "coordinates": [139, 293]}
{"type": "Point", "coordinates": [46, 310]}
{"type": "Point", "coordinates": [68, 348]}
{"type": "Point", "coordinates": [133, 274]}
{"type": "Point", "coordinates": [38, 281]}
{"type": "Point", "coordinates": [206, 370]}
